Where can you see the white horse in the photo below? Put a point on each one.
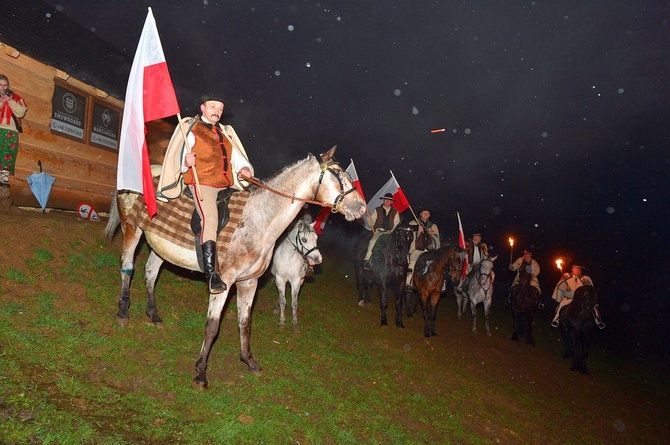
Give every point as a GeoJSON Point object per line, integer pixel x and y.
{"type": "Point", "coordinates": [478, 289]}
{"type": "Point", "coordinates": [245, 255]}
{"type": "Point", "coordinates": [293, 260]}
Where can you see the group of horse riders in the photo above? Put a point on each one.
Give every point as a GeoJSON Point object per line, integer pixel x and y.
{"type": "Point", "coordinates": [385, 218]}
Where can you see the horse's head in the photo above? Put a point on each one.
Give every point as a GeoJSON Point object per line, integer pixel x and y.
{"type": "Point", "coordinates": [455, 263]}
{"type": "Point", "coordinates": [403, 240]}
{"type": "Point", "coordinates": [304, 238]}
{"type": "Point", "coordinates": [486, 269]}
{"type": "Point", "coordinates": [586, 298]}
{"type": "Point", "coordinates": [334, 188]}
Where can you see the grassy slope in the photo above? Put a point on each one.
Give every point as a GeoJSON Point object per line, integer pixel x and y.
{"type": "Point", "coordinates": [70, 374]}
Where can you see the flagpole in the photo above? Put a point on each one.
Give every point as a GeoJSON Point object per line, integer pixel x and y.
{"type": "Point", "coordinates": [410, 205]}
{"type": "Point", "coordinates": [188, 149]}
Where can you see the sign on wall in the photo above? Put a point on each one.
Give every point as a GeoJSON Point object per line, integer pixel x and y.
{"type": "Point", "coordinates": [105, 126]}
{"type": "Point", "coordinates": [68, 113]}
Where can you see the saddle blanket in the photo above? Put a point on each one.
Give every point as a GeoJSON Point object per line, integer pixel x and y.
{"type": "Point", "coordinates": [173, 220]}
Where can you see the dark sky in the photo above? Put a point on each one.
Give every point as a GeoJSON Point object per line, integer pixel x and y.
{"type": "Point", "coordinates": [556, 112]}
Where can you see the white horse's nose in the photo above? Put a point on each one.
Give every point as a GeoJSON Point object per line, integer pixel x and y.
{"type": "Point", "coordinates": [315, 258]}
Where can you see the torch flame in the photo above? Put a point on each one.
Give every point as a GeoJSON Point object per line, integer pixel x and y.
{"type": "Point", "coordinates": [559, 263]}
{"type": "Point", "coordinates": [511, 241]}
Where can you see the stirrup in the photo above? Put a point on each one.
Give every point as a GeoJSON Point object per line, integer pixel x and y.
{"type": "Point", "coordinates": [540, 306]}
{"type": "Point", "coordinates": [367, 265]}
{"type": "Point", "coordinates": [600, 324]}
{"type": "Point", "coordinates": [554, 323]}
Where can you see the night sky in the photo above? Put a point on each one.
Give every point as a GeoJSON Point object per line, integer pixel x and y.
{"type": "Point", "coordinates": [555, 113]}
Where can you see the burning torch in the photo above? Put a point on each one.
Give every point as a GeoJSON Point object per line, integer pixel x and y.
{"type": "Point", "coordinates": [511, 250]}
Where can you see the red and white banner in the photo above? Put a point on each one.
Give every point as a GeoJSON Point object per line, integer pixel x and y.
{"type": "Point", "coordinates": [149, 96]}
{"type": "Point", "coordinates": [351, 171]}
{"type": "Point", "coordinates": [461, 244]}
{"type": "Point", "coordinates": [400, 202]}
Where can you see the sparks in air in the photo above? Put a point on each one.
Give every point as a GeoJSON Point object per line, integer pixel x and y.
{"type": "Point", "coordinates": [438, 130]}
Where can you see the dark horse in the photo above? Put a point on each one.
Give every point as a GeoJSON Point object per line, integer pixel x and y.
{"type": "Point", "coordinates": [524, 301]}
{"type": "Point", "coordinates": [389, 267]}
{"type": "Point", "coordinates": [431, 270]}
{"type": "Point", "coordinates": [577, 326]}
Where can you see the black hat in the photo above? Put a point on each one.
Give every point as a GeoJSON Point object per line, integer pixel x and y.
{"type": "Point", "coordinates": [527, 252]}
{"type": "Point", "coordinates": [476, 234]}
{"type": "Point", "coordinates": [217, 97]}
{"type": "Point", "coordinates": [387, 196]}
{"type": "Point", "coordinates": [580, 267]}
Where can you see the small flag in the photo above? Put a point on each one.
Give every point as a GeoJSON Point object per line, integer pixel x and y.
{"type": "Point", "coordinates": [400, 202]}
{"type": "Point", "coordinates": [461, 244]}
{"type": "Point", "coordinates": [351, 171]}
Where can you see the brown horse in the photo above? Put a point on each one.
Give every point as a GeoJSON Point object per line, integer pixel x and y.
{"type": "Point", "coordinates": [431, 270]}
{"type": "Point", "coordinates": [243, 257]}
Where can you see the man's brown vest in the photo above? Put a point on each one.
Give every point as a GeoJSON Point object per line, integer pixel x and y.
{"type": "Point", "coordinates": [212, 157]}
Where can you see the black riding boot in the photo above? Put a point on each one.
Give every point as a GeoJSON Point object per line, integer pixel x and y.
{"type": "Point", "coordinates": [214, 281]}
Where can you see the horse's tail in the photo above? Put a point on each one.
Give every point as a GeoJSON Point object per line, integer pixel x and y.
{"type": "Point", "coordinates": [114, 218]}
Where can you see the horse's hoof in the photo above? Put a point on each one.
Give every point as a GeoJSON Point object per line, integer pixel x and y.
{"type": "Point", "coordinates": [199, 385]}
{"type": "Point", "coordinates": [488, 334]}
{"type": "Point", "coordinates": [296, 330]}
{"type": "Point", "coordinates": [361, 303]}
{"type": "Point", "coordinates": [123, 322]}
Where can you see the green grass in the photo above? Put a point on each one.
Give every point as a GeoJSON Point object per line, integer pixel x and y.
{"type": "Point", "coordinates": [70, 374]}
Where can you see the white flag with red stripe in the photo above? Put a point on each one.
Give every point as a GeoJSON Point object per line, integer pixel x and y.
{"type": "Point", "coordinates": [149, 96]}
{"type": "Point", "coordinates": [461, 244]}
{"type": "Point", "coordinates": [400, 202]}
{"type": "Point", "coordinates": [353, 175]}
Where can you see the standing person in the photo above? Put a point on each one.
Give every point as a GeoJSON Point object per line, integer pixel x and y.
{"type": "Point", "coordinates": [566, 288]}
{"type": "Point", "coordinates": [218, 157]}
{"type": "Point", "coordinates": [530, 266]}
{"type": "Point", "coordinates": [12, 108]}
{"type": "Point", "coordinates": [384, 219]}
{"type": "Point", "coordinates": [476, 250]}
{"type": "Point", "coordinates": [427, 237]}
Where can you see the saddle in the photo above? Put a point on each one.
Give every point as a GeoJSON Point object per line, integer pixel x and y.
{"type": "Point", "coordinates": [173, 220]}
{"type": "Point", "coordinates": [379, 245]}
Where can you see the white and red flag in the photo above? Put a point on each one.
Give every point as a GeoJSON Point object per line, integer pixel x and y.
{"type": "Point", "coordinates": [149, 96]}
{"type": "Point", "coordinates": [400, 202]}
{"type": "Point", "coordinates": [461, 244]}
{"type": "Point", "coordinates": [325, 212]}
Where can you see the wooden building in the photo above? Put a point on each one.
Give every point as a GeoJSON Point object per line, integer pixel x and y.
{"type": "Point", "coordinates": [54, 63]}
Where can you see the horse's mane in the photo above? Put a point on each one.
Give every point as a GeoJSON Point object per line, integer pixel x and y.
{"type": "Point", "coordinates": [276, 179]}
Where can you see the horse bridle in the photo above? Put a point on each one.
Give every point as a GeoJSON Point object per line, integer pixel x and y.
{"type": "Point", "coordinates": [302, 250]}
{"type": "Point", "coordinates": [487, 275]}
{"type": "Point", "coordinates": [324, 167]}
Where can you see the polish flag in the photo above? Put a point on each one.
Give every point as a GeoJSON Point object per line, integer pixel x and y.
{"type": "Point", "coordinates": [149, 96]}
{"type": "Point", "coordinates": [325, 212]}
{"type": "Point", "coordinates": [351, 171]}
{"type": "Point", "coordinates": [461, 244]}
{"type": "Point", "coordinates": [400, 202]}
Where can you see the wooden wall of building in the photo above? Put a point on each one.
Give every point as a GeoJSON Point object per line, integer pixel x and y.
{"type": "Point", "coordinates": [84, 173]}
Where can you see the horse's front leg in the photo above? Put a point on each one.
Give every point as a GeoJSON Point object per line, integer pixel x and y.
{"type": "Point", "coordinates": [280, 281]}
{"type": "Point", "coordinates": [473, 309]}
{"type": "Point", "coordinates": [151, 270]}
{"type": "Point", "coordinates": [245, 300]}
{"type": "Point", "coordinates": [296, 284]}
{"type": "Point", "coordinates": [434, 299]}
{"type": "Point", "coordinates": [216, 304]}
{"type": "Point", "coordinates": [383, 304]}
{"type": "Point", "coordinates": [131, 238]}
{"type": "Point", "coordinates": [399, 297]}
{"type": "Point", "coordinates": [487, 312]}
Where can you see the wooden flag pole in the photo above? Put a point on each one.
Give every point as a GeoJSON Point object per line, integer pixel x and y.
{"type": "Point", "coordinates": [188, 149]}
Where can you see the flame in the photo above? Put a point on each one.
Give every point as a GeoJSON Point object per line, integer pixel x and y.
{"type": "Point", "coordinates": [511, 241]}
{"type": "Point", "coordinates": [559, 263]}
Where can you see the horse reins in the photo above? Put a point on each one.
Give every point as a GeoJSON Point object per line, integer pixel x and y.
{"type": "Point", "coordinates": [323, 167]}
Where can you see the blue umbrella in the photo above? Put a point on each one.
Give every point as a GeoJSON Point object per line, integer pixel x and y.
{"type": "Point", "coordinates": [40, 184]}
